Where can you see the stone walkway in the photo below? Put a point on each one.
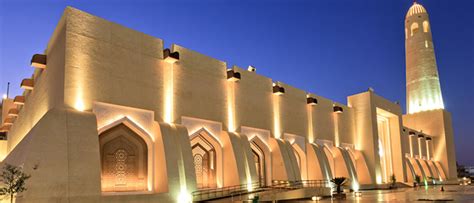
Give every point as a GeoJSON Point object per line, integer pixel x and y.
{"type": "Point", "coordinates": [452, 193]}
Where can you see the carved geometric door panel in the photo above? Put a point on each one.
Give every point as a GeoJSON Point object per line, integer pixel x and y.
{"type": "Point", "coordinates": [259, 160]}
{"type": "Point", "coordinates": [124, 160]}
{"type": "Point", "coordinates": [204, 162]}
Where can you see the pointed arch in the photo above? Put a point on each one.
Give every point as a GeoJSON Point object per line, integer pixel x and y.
{"type": "Point", "coordinates": [126, 153]}
{"type": "Point", "coordinates": [426, 26]}
{"type": "Point", "coordinates": [301, 159]}
{"type": "Point", "coordinates": [207, 159]}
{"type": "Point", "coordinates": [259, 147]}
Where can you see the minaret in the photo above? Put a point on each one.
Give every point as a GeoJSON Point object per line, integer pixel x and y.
{"type": "Point", "coordinates": [422, 79]}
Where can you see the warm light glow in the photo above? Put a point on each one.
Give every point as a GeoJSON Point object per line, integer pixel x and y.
{"type": "Point", "coordinates": [249, 186]}
{"type": "Point", "coordinates": [310, 123]}
{"type": "Point", "coordinates": [336, 129]}
{"type": "Point", "coordinates": [355, 186]}
{"type": "Point", "coordinates": [379, 179]}
{"type": "Point", "coordinates": [428, 150]}
{"type": "Point", "coordinates": [384, 146]}
{"type": "Point", "coordinates": [419, 105]}
{"type": "Point", "coordinates": [184, 197]}
{"type": "Point", "coordinates": [420, 150]}
{"type": "Point", "coordinates": [79, 105]}
{"type": "Point", "coordinates": [169, 93]}
{"type": "Point", "coordinates": [4, 96]}
{"type": "Point", "coordinates": [276, 116]}
{"type": "Point", "coordinates": [121, 118]}
{"type": "Point", "coordinates": [316, 198]}
{"type": "Point", "coordinates": [380, 149]}
{"type": "Point", "coordinates": [231, 106]}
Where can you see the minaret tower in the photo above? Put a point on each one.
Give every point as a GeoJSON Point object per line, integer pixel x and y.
{"type": "Point", "coordinates": [422, 79]}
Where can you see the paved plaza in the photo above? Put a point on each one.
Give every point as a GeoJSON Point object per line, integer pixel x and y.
{"type": "Point", "coordinates": [453, 193]}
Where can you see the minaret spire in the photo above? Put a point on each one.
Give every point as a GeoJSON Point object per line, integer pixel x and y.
{"type": "Point", "coordinates": [422, 78]}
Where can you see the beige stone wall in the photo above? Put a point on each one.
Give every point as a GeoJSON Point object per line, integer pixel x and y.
{"type": "Point", "coordinates": [7, 104]}
{"type": "Point", "coordinates": [53, 153]}
{"type": "Point", "coordinates": [48, 88]}
{"type": "Point", "coordinates": [437, 123]}
{"type": "Point", "coordinates": [111, 72]}
{"type": "Point", "coordinates": [105, 61]}
{"type": "Point", "coordinates": [367, 106]}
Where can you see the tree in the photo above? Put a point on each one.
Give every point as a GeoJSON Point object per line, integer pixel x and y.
{"type": "Point", "coordinates": [417, 180]}
{"type": "Point", "coordinates": [393, 182]}
{"type": "Point", "coordinates": [14, 180]}
{"type": "Point", "coordinates": [339, 181]}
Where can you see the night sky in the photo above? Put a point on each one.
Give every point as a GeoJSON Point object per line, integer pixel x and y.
{"type": "Point", "coordinates": [333, 48]}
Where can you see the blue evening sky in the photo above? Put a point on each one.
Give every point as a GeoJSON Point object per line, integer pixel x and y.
{"type": "Point", "coordinates": [333, 48]}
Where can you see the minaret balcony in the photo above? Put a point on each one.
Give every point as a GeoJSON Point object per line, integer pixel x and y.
{"type": "Point", "coordinates": [170, 57]}
{"type": "Point", "coordinates": [38, 61]}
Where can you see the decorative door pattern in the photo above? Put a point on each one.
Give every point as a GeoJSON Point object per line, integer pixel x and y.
{"type": "Point", "coordinates": [124, 160]}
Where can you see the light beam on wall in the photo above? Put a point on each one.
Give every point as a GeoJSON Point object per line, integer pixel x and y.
{"type": "Point", "coordinates": [336, 129]}
{"type": "Point", "coordinates": [231, 106]}
{"type": "Point", "coordinates": [184, 196]}
{"type": "Point", "coordinates": [276, 116]}
{"type": "Point", "coordinates": [309, 110]}
{"type": "Point", "coordinates": [169, 93]}
{"type": "Point", "coordinates": [79, 105]}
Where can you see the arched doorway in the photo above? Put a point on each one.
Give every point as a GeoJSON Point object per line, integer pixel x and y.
{"type": "Point", "coordinates": [259, 160]}
{"type": "Point", "coordinates": [205, 160]}
{"type": "Point", "coordinates": [124, 160]}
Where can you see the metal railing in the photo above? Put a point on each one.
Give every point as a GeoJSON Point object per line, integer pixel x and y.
{"type": "Point", "coordinates": [238, 190]}
{"type": "Point", "coordinates": [215, 193]}
{"type": "Point", "coordinates": [297, 184]}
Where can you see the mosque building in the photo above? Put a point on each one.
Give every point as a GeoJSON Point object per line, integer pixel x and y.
{"type": "Point", "coordinates": [111, 115]}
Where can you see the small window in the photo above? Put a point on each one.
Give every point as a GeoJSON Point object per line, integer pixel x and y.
{"type": "Point", "coordinates": [414, 28]}
{"type": "Point", "coordinates": [426, 26]}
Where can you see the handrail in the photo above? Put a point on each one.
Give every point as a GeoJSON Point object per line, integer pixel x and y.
{"type": "Point", "coordinates": [214, 193]}
{"type": "Point", "coordinates": [206, 194]}
{"type": "Point", "coordinates": [300, 184]}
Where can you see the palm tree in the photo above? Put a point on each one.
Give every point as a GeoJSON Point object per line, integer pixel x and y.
{"type": "Point", "coordinates": [393, 181]}
{"type": "Point", "coordinates": [339, 181]}
{"type": "Point", "coordinates": [417, 180]}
